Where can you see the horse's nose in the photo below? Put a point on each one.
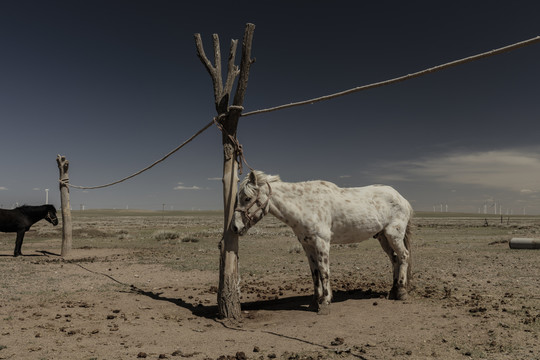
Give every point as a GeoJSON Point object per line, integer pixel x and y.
{"type": "Point", "coordinates": [234, 228]}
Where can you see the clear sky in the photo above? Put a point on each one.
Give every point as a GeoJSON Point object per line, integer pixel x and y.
{"type": "Point", "coordinates": [114, 85]}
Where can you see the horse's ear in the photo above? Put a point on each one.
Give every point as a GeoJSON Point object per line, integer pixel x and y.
{"type": "Point", "coordinates": [252, 178]}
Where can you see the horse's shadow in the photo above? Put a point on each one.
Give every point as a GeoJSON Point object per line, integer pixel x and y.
{"type": "Point", "coordinates": [46, 253]}
{"type": "Point", "coordinates": [301, 302]}
{"type": "Point", "coordinates": [292, 303]}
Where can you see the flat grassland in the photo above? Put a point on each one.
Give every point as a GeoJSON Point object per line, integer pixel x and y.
{"type": "Point", "coordinates": [143, 285]}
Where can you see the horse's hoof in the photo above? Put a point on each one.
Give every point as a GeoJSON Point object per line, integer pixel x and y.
{"type": "Point", "coordinates": [398, 294]}
{"type": "Point", "coordinates": [402, 294]}
{"type": "Point", "coordinates": [324, 309]}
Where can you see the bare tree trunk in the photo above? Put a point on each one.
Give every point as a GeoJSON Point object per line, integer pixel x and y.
{"type": "Point", "coordinates": [63, 167]}
{"type": "Point", "coordinates": [229, 279]}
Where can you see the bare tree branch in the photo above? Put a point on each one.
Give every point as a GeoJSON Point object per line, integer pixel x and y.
{"type": "Point", "coordinates": [245, 64]}
{"type": "Point", "coordinates": [232, 69]}
{"type": "Point", "coordinates": [218, 78]}
{"type": "Point", "coordinates": [212, 70]}
{"type": "Point", "coordinates": [201, 54]}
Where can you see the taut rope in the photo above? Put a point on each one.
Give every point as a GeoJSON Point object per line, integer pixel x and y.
{"type": "Point", "coordinates": [401, 78]}
{"type": "Point", "coordinates": [148, 167]}
{"type": "Point", "coordinates": [238, 146]}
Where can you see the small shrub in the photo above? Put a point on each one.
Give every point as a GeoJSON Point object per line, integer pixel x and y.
{"type": "Point", "coordinates": [89, 233]}
{"type": "Point", "coordinates": [165, 235]}
{"type": "Point", "coordinates": [296, 249]}
{"type": "Point", "coordinates": [190, 239]}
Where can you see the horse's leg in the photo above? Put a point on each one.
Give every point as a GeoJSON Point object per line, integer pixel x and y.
{"type": "Point", "coordinates": [323, 260]}
{"type": "Point", "coordinates": [395, 234]}
{"type": "Point", "coordinates": [395, 264]}
{"type": "Point", "coordinates": [18, 243]}
{"type": "Point", "coordinates": [317, 289]}
{"type": "Point", "coordinates": [317, 250]}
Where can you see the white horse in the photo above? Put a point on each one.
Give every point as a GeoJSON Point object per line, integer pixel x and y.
{"type": "Point", "coordinates": [320, 212]}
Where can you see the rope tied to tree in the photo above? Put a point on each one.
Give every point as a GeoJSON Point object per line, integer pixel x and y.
{"type": "Point", "coordinates": [399, 79]}
{"type": "Point", "coordinates": [64, 182]}
{"type": "Point", "coordinates": [239, 153]}
{"type": "Point", "coordinates": [238, 148]}
{"type": "Point", "coordinates": [146, 168]}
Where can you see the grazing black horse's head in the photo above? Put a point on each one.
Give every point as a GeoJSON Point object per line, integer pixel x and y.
{"type": "Point", "coordinates": [51, 215]}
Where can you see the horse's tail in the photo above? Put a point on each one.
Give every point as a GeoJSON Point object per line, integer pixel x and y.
{"type": "Point", "coordinates": [407, 242]}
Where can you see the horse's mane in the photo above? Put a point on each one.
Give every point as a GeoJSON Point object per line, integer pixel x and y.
{"type": "Point", "coordinates": [33, 207]}
{"type": "Point", "coordinates": [260, 178]}
{"type": "Point", "coordinates": [265, 178]}
{"type": "Point", "coordinates": [23, 207]}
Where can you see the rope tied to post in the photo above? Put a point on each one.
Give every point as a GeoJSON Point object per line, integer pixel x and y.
{"type": "Point", "coordinates": [217, 120]}
{"type": "Point", "coordinates": [238, 148]}
{"type": "Point", "coordinates": [64, 182]}
{"type": "Point", "coordinates": [146, 168]}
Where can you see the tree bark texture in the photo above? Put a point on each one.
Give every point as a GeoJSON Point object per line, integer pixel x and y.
{"type": "Point", "coordinates": [229, 279]}
{"type": "Point", "coordinates": [67, 238]}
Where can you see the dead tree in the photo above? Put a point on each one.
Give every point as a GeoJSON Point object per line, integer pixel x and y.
{"type": "Point", "coordinates": [227, 121]}
{"type": "Point", "coordinates": [63, 167]}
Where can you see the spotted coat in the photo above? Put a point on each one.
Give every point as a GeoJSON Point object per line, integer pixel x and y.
{"type": "Point", "coordinates": [320, 213]}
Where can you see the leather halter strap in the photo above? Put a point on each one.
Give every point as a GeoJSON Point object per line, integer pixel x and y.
{"type": "Point", "coordinates": [251, 220]}
{"type": "Point", "coordinates": [49, 218]}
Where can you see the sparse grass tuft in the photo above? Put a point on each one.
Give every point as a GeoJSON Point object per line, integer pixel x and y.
{"type": "Point", "coordinates": [160, 235]}
{"type": "Point", "coordinates": [296, 249]}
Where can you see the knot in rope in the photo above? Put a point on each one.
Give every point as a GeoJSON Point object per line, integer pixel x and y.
{"type": "Point", "coordinates": [238, 149]}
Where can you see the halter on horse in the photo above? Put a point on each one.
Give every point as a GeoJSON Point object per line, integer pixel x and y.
{"type": "Point", "coordinates": [320, 212]}
{"type": "Point", "coordinates": [248, 218]}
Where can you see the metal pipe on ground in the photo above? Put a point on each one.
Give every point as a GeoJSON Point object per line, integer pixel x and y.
{"type": "Point", "coordinates": [524, 243]}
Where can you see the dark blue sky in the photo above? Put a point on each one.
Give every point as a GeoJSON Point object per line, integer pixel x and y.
{"type": "Point", "coordinates": [115, 85]}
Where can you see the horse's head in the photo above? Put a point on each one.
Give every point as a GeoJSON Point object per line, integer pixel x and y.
{"type": "Point", "coordinates": [252, 205]}
{"type": "Point", "coordinates": [51, 215]}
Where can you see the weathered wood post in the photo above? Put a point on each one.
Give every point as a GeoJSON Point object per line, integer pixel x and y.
{"type": "Point", "coordinates": [229, 279]}
{"type": "Point", "coordinates": [63, 167]}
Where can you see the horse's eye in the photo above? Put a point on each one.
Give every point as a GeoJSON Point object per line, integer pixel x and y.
{"type": "Point", "coordinates": [248, 199]}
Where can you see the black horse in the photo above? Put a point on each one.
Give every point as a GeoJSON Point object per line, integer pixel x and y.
{"type": "Point", "coordinates": [20, 219]}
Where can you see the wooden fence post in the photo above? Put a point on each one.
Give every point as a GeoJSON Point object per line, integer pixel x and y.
{"type": "Point", "coordinates": [63, 167]}
{"type": "Point", "coordinates": [229, 279]}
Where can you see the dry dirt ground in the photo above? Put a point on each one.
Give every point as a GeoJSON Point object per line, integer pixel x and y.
{"type": "Point", "coordinates": [143, 285]}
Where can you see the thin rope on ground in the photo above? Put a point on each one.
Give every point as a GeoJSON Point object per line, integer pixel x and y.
{"type": "Point", "coordinates": [401, 78]}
